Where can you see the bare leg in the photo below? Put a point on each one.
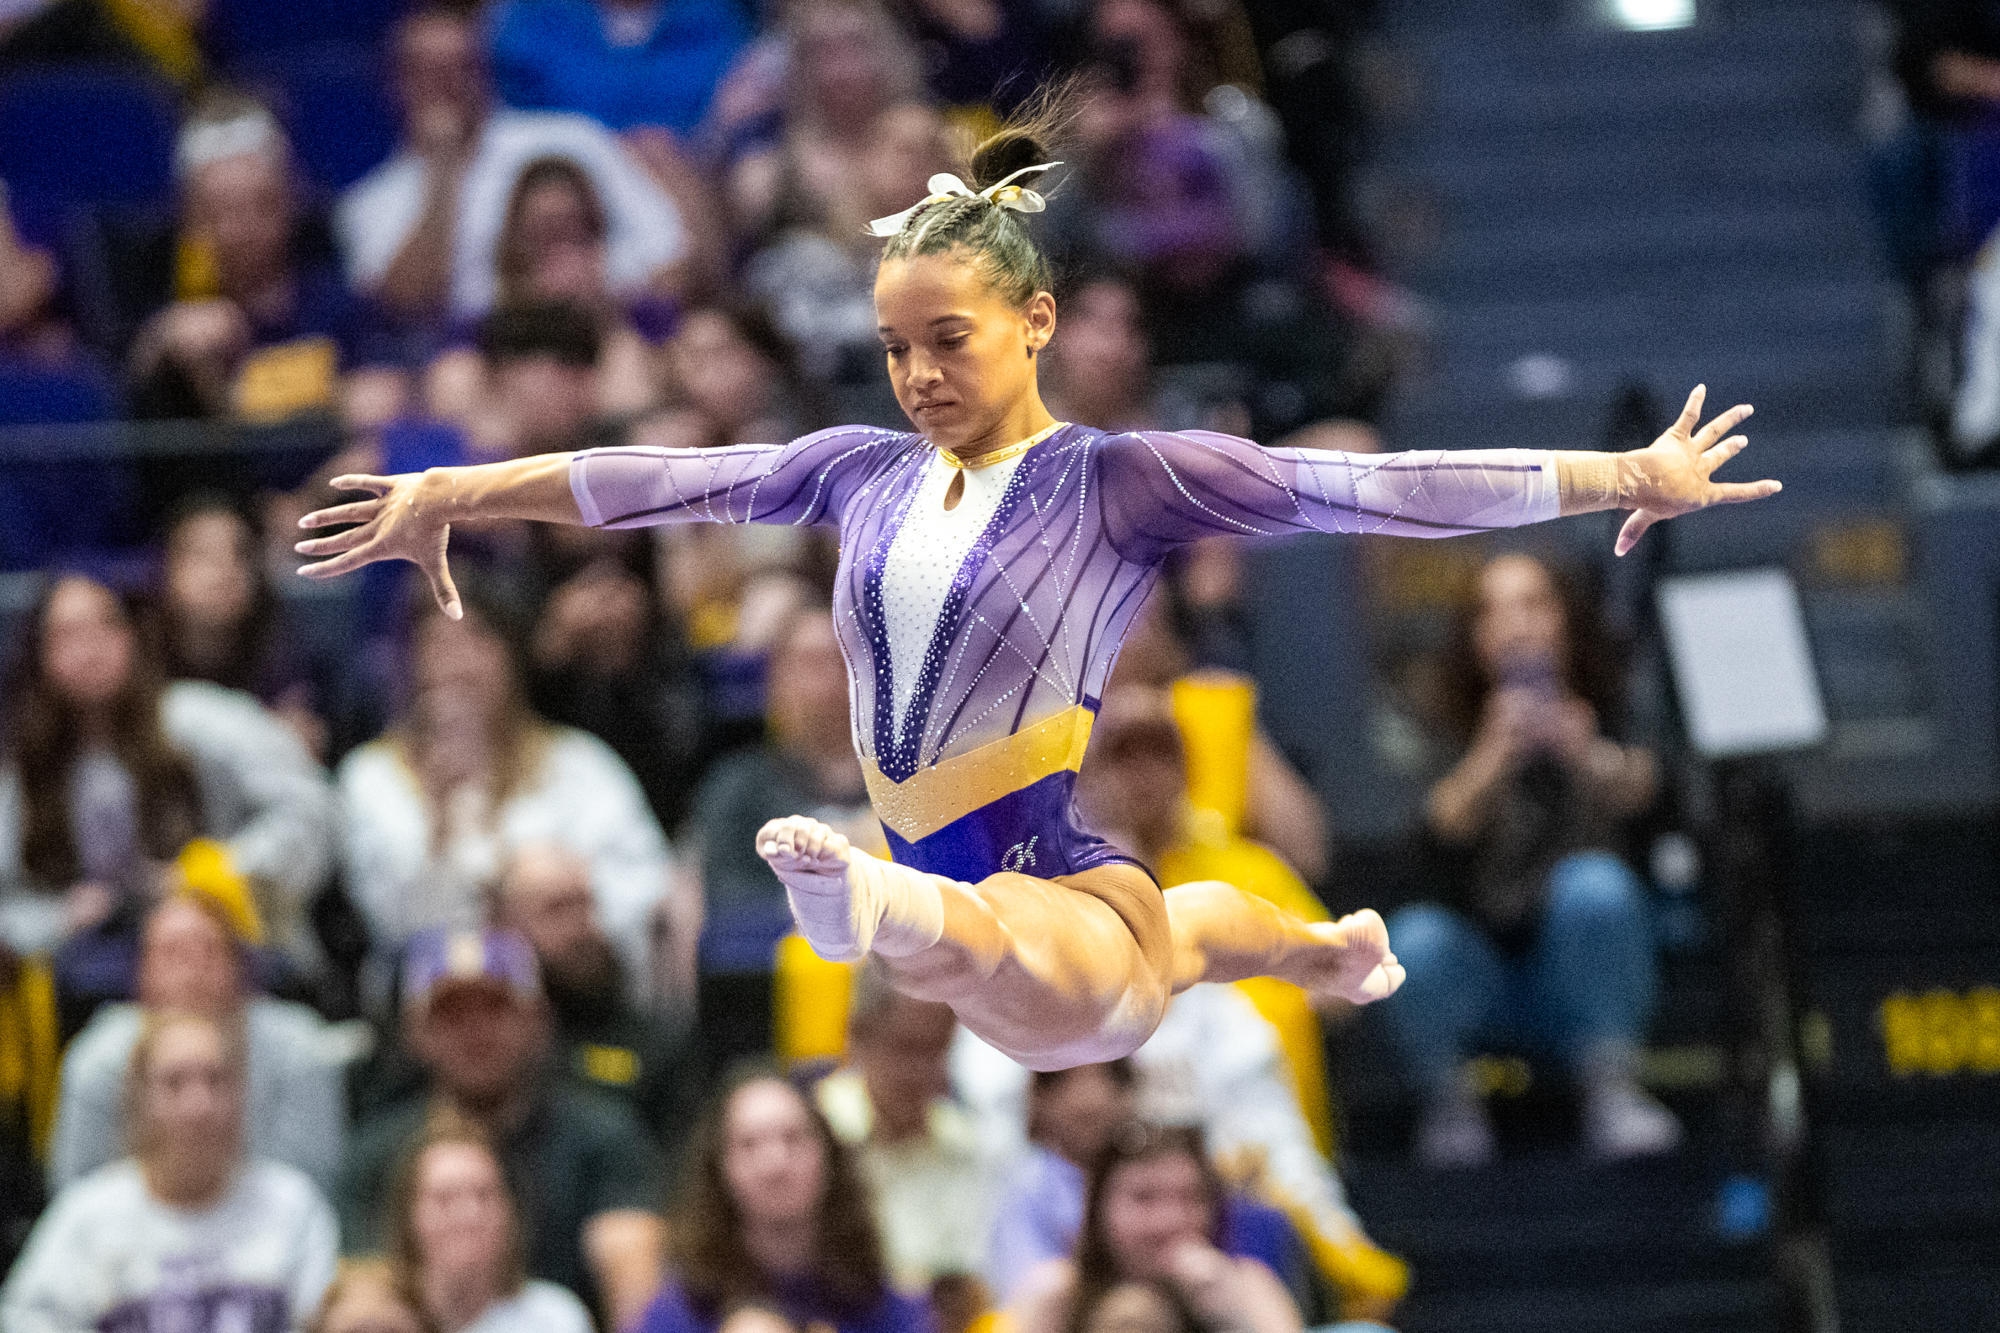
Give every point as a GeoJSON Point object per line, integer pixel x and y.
{"type": "Point", "coordinates": [1224, 934]}
{"type": "Point", "coordinates": [1058, 972]}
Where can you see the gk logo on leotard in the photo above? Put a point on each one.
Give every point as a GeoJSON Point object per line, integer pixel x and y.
{"type": "Point", "coordinates": [1021, 856]}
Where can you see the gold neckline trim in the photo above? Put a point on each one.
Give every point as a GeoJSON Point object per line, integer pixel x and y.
{"type": "Point", "coordinates": [1011, 451]}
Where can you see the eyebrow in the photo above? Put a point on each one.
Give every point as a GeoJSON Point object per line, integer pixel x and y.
{"type": "Point", "coordinates": [941, 319]}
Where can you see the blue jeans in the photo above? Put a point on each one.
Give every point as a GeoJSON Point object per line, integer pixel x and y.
{"type": "Point", "coordinates": [1587, 978]}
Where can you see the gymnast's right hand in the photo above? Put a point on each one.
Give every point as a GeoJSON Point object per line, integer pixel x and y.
{"type": "Point", "coordinates": [402, 521]}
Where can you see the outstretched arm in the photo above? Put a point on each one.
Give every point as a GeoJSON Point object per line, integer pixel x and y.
{"type": "Point", "coordinates": [409, 517]}
{"type": "Point", "coordinates": [1163, 489]}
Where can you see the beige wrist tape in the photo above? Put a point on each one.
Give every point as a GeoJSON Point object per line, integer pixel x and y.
{"type": "Point", "coordinates": [1586, 481]}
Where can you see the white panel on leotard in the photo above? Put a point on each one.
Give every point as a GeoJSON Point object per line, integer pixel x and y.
{"type": "Point", "coordinates": [924, 558]}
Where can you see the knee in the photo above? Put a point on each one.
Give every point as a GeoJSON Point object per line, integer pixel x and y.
{"type": "Point", "coordinates": [1595, 886]}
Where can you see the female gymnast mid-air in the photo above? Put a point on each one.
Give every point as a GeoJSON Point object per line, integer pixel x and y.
{"type": "Point", "coordinates": [990, 562]}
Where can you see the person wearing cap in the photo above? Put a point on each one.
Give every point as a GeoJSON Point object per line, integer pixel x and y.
{"type": "Point", "coordinates": [193, 958]}
{"type": "Point", "coordinates": [250, 331]}
{"type": "Point", "coordinates": [603, 1039]}
{"type": "Point", "coordinates": [578, 1162]}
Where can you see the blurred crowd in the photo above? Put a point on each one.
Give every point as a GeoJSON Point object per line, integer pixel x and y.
{"type": "Point", "coordinates": [363, 969]}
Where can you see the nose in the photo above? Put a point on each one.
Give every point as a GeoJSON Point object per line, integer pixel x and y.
{"type": "Point", "coordinates": [923, 371]}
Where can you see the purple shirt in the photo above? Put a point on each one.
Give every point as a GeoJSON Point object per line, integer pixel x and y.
{"type": "Point", "coordinates": [974, 773]}
{"type": "Point", "coordinates": [672, 1312]}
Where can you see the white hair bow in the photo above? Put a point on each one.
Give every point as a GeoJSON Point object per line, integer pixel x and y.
{"type": "Point", "coordinates": [944, 185]}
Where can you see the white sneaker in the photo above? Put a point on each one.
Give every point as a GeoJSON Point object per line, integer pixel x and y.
{"type": "Point", "coordinates": [1455, 1133]}
{"type": "Point", "coordinates": [1620, 1121]}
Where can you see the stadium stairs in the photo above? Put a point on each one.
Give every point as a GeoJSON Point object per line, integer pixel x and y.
{"type": "Point", "coordinates": [1588, 214]}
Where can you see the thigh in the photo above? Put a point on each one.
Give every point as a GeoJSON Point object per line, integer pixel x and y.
{"type": "Point", "coordinates": [1082, 972]}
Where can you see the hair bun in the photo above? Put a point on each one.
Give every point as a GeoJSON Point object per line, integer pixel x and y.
{"type": "Point", "coordinates": [1004, 154]}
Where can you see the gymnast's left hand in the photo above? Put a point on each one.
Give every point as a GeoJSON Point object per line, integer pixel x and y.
{"type": "Point", "coordinates": [1671, 476]}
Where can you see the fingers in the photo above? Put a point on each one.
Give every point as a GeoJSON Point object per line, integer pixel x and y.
{"type": "Point", "coordinates": [1716, 455]}
{"type": "Point", "coordinates": [1635, 528]}
{"type": "Point", "coordinates": [334, 545]}
{"type": "Point", "coordinates": [358, 512]}
{"type": "Point", "coordinates": [444, 589]}
{"type": "Point", "coordinates": [356, 481]}
{"type": "Point", "coordinates": [1691, 414]}
{"type": "Point", "coordinates": [1736, 492]}
{"type": "Point", "coordinates": [340, 564]}
{"type": "Point", "coordinates": [1722, 425]}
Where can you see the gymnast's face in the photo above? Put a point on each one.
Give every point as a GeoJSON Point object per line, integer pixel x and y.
{"type": "Point", "coordinates": [961, 356]}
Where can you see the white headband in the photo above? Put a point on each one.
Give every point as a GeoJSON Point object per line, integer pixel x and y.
{"type": "Point", "coordinates": [206, 141]}
{"type": "Point", "coordinates": [944, 185]}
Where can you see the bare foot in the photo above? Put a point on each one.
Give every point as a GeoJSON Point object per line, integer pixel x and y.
{"type": "Point", "coordinates": [811, 859]}
{"type": "Point", "coordinates": [1352, 962]}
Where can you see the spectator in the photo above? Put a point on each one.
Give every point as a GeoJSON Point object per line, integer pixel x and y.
{"type": "Point", "coordinates": [552, 249]}
{"type": "Point", "coordinates": [817, 275]}
{"type": "Point", "coordinates": [985, 56]}
{"type": "Point", "coordinates": [252, 332]}
{"type": "Point", "coordinates": [577, 1161]}
{"type": "Point", "coordinates": [1153, 1213]}
{"type": "Point", "coordinates": [774, 1213]}
{"type": "Point", "coordinates": [108, 773]}
{"type": "Point", "coordinates": [931, 1180]}
{"type": "Point", "coordinates": [369, 1296]}
{"type": "Point", "coordinates": [1214, 1064]}
{"type": "Point", "coordinates": [602, 1038]}
{"type": "Point", "coordinates": [193, 959]}
{"type": "Point", "coordinates": [806, 763]}
{"type": "Point", "coordinates": [533, 382]}
{"type": "Point", "coordinates": [184, 1233]}
{"type": "Point", "coordinates": [1072, 1114]}
{"type": "Point", "coordinates": [468, 775]}
{"type": "Point", "coordinates": [1234, 766]}
{"type": "Point", "coordinates": [219, 619]}
{"type": "Point", "coordinates": [159, 39]}
{"type": "Point", "coordinates": [1185, 190]}
{"type": "Point", "coordinates": [1541, 934]}
{"type": "Point", "coordinates": [1137, 788]}
{"type": "Point", "coordinates": [610, 660]}
{"type": "Point", "coordinates": [30, 332]}
{"type": "Point", "coordinates": [458, 1236]}
{"type": "Point", "coordinates": [846, 63]}
{"type": "Point", "coordinates": [422, 229]}
{"type": "Point", "coordinates": [624, 63]}
{"type": "Point", "coordinates": [734, 366]}
{"type": "Point", "coordinates": [1099, 369]}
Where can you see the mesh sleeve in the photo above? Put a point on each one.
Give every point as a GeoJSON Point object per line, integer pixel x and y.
{"type": "Point", "coordinates": [1160, 489]}
{"type": "Point", "coordinates": [797, 483]}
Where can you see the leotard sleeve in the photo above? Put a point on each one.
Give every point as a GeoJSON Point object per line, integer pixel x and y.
{"type": "Point", "coordinates": [1160, 489]}
{"type": "Point", "coordinates": [799, 483]}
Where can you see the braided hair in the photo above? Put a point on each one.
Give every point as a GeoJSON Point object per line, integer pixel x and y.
{"type": "Point", "coordinates": [993, 238]}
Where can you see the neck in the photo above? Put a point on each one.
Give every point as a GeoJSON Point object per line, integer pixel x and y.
{"type": "Point", "coordinates": [205, 647]}
{"type": "Point", "coordinates": [1027, 417]}
{"type": "Point", "coordinates": [181, 1183]}
{"type": "Point", "coordinates": [498, 1115]}
{"type": "Point", "coordinates": [456, 1300]}
{"type": "Point", "coordinates": [782, 1249]}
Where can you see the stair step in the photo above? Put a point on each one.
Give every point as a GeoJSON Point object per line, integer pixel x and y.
{"type": "Point", "coordinates": [1717, 1306]}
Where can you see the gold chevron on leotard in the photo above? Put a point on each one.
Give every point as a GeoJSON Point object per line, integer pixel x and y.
{"type": "Point", "coordinates": [953, 788]}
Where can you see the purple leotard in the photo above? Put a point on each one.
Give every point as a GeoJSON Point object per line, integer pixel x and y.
{"type": "Point", "coordinates": [971, 756]}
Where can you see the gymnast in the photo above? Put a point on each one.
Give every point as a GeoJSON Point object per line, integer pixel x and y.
{"type": "Point", "coordinates": [990, 561]}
